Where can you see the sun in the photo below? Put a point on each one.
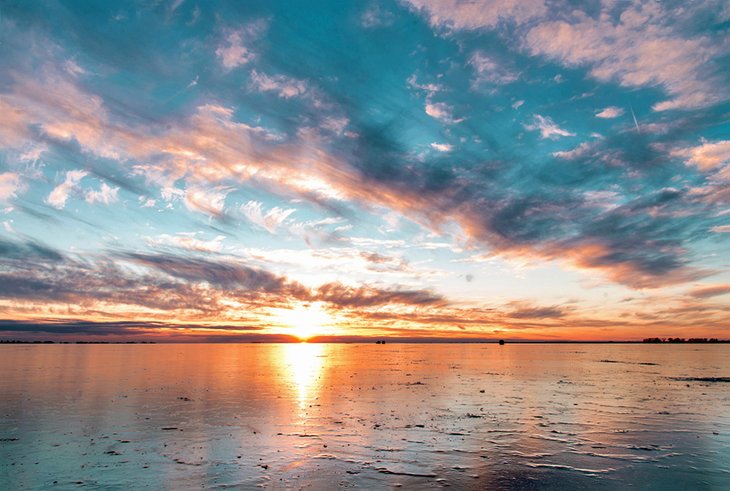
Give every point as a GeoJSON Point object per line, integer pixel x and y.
{"type": "Point", "coordinates": [305, 320]}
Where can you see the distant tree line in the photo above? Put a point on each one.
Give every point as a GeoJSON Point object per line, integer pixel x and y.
{"type": "Point", "coordinates": [683, 340]}
{"type": "Point", "coordinates": [15, 341]}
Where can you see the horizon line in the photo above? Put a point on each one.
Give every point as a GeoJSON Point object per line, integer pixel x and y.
{"type": "Point", "coordinates": [373, 340]}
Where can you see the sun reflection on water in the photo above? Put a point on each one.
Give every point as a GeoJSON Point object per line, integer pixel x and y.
{"type": "Point", "coordinates": [303, 363]}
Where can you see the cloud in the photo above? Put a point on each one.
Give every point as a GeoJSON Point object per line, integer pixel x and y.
{"type": "Point", "coordinates": [429, 89]}
{"type": "Point", "coordinates": [374, 16]}
{"type": "Point", "coordinates": [13, 127]}
{"type": "Point", "coordinates": [610, 112]}
{"type": "Point", "coordinates": [105, 195]}
{"type": "Point", "coordinates": [193, 287]}
{"type": "Point", "coordinates": [532, 312]}
{"type": "Point", "coordinates": [205, 148]}
{"type": "Point", "coordinates": [27, 250]}
{"type": "Point", "coordinates": [504, 198]}
{"type": "Point", "coordinates": [210, 148]}
{"type": "Point", "coordinates": [637, 44]}
{"type": "Point", "coordinates": [10, 186]}
{"type": "Point", "coordinates": [51, 100]}
{"type": "Point", "coordinates": [487, 70]}
{"type": "Point", "coordinates": [713, 160]}
{"type": "Point", "coordinates": [284, 87]}
{"type": "Point", "coordinates": [637, 242]}
{"type": "Point", "coordinates": [638, 48]}
{"type": "Point", "coordinates": [721, 229]}
{"type": "Point", "coordinates": [547, 128]}
{"type": "Point", "coordinates": [334, 124]}
{"type": "Point", "coordinates": [710, 291]}
{"type": "Point", "coordinates": [271, 220]}
{"type": "Point", "coordinates": [442, 147]}
{"type": "Point", "coordinates": [218, 273]}
{"type": "Point", "coordinates": [334, 262]}
{"type": "Point", "coordinates": [706, 157]}
{"type": "Point", "coordinates": [127, 289]}
{"type": "Point", "coordinates": [187, 241]}
{"type": "Point", "coordinates": [130, 284]}
{"type": "Point", "coordinates": [580, 151]}
{"type": "Point", "coordinates": [59, 195]}
{"type": "Point", "coordinates": [147, 202]}
{"type": "Point", "coordinates": [441, 111]}
{"type": "Point", "coordinates": [113, 328]}
{"type": "Point", "coordinates": [203, 199]}
{"type": "Point", "coordinates": [367, 296]}
{"type": "Point", "coordinates": [74, 330]}
{"type": "Point", "coordinates": [457, 14]}
{"type": "Point", "coordinates": [237, 47]}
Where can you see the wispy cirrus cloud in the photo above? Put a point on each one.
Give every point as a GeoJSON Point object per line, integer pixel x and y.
{"type": "Point", "coordinates": [205, 199]}
{"type": "Point", "coordinates": [270, 220]}
{"type": "Point", "coordinates": [188, 241]}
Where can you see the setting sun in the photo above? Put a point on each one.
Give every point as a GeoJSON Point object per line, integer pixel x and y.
{"type": "Point", "coordinates": [305, 320]}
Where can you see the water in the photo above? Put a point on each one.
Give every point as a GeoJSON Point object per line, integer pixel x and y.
{"type": "Point", "coordinates": [317, 416]}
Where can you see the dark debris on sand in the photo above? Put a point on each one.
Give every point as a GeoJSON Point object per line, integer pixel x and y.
{"type": "Point", "coordinates": [701, 379]}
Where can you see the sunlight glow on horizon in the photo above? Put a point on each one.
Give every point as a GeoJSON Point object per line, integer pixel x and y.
{"type": "Point", "coordinates": [304, 321]}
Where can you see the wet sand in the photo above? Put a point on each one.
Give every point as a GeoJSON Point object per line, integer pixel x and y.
{"type": "Point", "coordinates": [318, 416]}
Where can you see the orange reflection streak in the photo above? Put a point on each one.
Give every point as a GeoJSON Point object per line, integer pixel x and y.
{"type": "Point", "coordinates": [303, 364]}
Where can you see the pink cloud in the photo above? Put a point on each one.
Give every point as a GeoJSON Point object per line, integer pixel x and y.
{"type": "Point", "coordinates": [457, 14]}
{"type": "Point", "coordinates": [237, 47]}
{"type": "Point", "coordinates": [60, 194]}
{"type": "Point", "coordinates": [10, 186]}
{"type": "Point", "coordinates": [637, 50]}
{"type": "Point", "coordinates": [610, 112]}
{"type": "Point", "coordinates": [633, 44]}
{"type": "Point", "coordinates": [707, 156]}
{"type": "Point", "coordinates": [105, 195]}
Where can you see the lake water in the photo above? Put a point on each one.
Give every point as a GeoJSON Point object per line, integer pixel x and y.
{"type": "Point", "coordinates": [328, 416]}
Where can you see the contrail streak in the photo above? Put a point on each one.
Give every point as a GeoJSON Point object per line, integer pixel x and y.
{"type": "Point", "coordinates": [638, 130]}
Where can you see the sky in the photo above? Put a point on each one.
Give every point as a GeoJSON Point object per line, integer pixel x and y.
{"type": "Point", "coordinates": [245, 171]}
